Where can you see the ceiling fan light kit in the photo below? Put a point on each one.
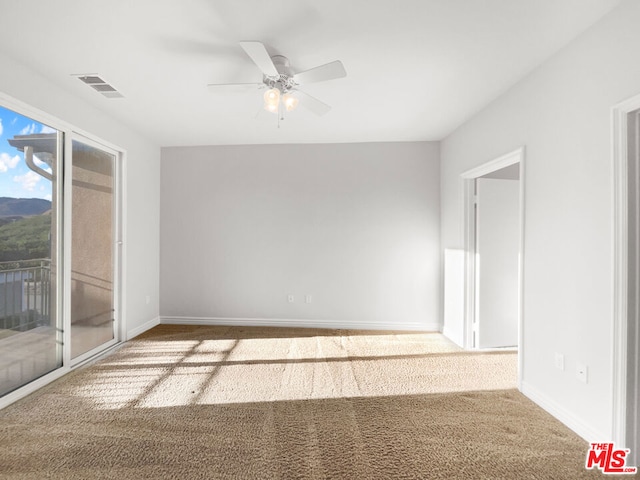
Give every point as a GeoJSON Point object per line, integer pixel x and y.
{"type": "Point", "coordinates": [280, 87]}
{"type": "Point", "coordinates": [283, 93]}
{"type": "Point", "coordinates": [272, 100]}
{"type": "Point", "coordinates": [290, 102]}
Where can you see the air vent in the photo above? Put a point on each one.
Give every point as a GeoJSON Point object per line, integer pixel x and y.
{"type": "Point", "coordinates": [98, 84]}
{"type": "Point", "coordinates": [103, 87]}
{"type": "Point", "coordinates": [91, 79]}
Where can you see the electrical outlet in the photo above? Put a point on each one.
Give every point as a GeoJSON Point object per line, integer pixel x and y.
{"type": "Point", "coordinates": [559, 361]}
{"type": "Point", "coordinates": [147, 299]}
{"type": "Point", "coordinates": [290, 298]}
{"type": "Point", "coordinates": [582, 372]}
{"type": "Point", "coordinates": [307, 298]}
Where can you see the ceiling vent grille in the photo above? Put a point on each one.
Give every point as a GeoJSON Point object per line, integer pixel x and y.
{"type": "Point", "coordinates": [99, 85]}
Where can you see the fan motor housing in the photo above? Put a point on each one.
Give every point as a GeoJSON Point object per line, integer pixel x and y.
{"type": "Point", "coordinates": [282, 65]}
{"type": "Point", "coordinates": [284, 81]}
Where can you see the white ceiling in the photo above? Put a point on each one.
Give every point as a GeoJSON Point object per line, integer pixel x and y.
{"type": "Point", "coordinates": [417, 69]}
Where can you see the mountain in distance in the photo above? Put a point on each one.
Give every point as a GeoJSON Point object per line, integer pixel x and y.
{"type": "Point", "coordinates": [25, 229]}
{"type": "Point", "coordinates": [25, 239]}
{"type": "Point", "coordinates": [23, 207]}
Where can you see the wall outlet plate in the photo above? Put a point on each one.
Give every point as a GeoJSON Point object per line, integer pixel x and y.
{"type": "Point", "coordinates": [290, 298]}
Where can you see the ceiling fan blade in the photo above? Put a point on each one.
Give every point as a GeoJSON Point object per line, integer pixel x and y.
{"type": "Point", "coordinates": [258, 53]}
{"type": "Point", "coordinates": [233, 87]}
{"type": "Point", "coordinates": [328, 71]}
{"type": "Point", "coordinates": [312, 103]}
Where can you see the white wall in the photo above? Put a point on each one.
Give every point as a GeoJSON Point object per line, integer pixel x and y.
{"type": "Point", "coordinates": [354, 225]}
{"type": "Point", "coordinates": [561, 113]}
{"type": "Point", "coordinates": [453, 290]}
{"type": "Point", "coordinates": [142, 181]}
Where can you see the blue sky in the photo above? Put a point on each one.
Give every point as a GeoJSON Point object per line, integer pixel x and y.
{"type": "Point", "coordinates": [16, 179]}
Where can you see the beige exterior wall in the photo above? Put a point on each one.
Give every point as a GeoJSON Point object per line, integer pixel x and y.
{"type": "Point", "coordinates": [92, 249]}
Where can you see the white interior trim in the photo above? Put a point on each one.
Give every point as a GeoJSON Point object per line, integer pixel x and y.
{"type": "Point", "coordinates": [468, 178]}
{"type": "Point", "coordinates": [620, 266]}
{"type": "Point", "coordinates": [501, 162]}
{"type": "Point", "coordinates": [565, 416]}
{"type": "Point", "coordinates": [450, 336]}
{"type": "Point", "coordinates": [142, 328]}
{"type": "Point", "coordinates": [300, 323]}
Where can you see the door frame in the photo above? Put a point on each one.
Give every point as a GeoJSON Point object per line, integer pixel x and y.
{"type": "Point", "coordinates": [622, 357]}
{"type": "Point", "coordinates": [468, 179]}
{"type": "Point", "coordinates": [67, 129]}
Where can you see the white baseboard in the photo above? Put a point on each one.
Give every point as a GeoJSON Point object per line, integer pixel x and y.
{"type": "Point", "coordinates": [143, 328]}
{"type": "Point", "coordinates": [290, 322]}
{"type": "Point", "coordinates": [454, 338]}
{"type": "Point", "coordinates": [587, 432]}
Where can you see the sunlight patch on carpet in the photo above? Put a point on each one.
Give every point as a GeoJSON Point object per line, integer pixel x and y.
{"type": "Point", "coordinates": [169, 372]}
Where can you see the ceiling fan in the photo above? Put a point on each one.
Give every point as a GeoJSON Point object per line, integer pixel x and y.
{"type": "Point", "coordinates": [282, 83]}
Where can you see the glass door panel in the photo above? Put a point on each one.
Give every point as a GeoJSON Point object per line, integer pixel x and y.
{"type": "Point", "coordinates": [92, 248]}
{"type": "Point", "coordinates": [30, 329]}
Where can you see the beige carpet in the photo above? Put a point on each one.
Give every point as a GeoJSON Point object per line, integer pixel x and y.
{"type": "Point", "coordinates": [264, 403]}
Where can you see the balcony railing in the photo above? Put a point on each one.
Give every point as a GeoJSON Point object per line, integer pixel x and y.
{"type": "Point", "coordinates": [25, 294]}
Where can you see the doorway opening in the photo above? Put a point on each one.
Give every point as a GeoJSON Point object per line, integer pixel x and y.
{"type": "Point", "coordinates": [494, 246]}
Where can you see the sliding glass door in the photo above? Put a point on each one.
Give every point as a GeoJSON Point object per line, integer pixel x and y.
{"type": "Point", "coordinates": [30, 327]}
{"type": "Point", "coordinates": [93, 248]}
{"type": "Point", "coordinates": [59, 250]}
